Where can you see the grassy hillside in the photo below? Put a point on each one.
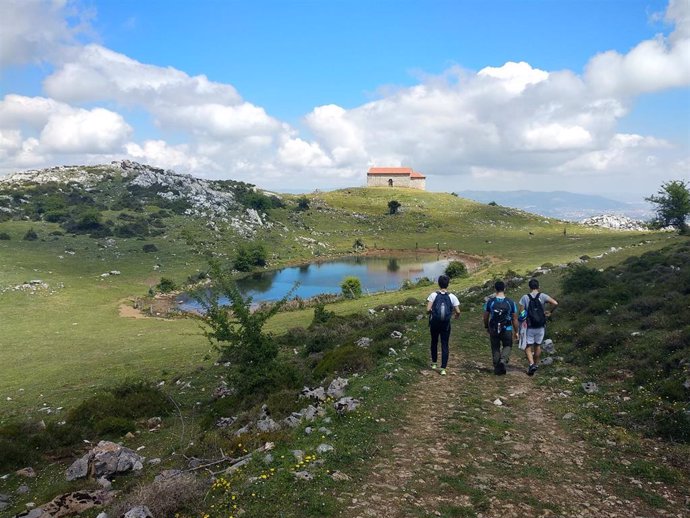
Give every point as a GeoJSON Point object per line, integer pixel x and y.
{"type": "Point", "coordinates": [66, 339]}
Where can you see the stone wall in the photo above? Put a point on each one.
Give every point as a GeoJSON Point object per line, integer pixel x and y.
{"type": "Point", "coordinates": [380, 180]}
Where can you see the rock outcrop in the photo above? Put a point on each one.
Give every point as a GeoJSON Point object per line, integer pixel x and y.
{"type": "Point", "coordinates": [614, 222]}
{"type": "Point", "coordinates": [105, 460]}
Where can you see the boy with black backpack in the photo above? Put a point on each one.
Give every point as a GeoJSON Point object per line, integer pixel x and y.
{"type": "Point", "coordinates": [533, 306]}
{"type": "Point", "coordinates": [501, 322]}
{"type": "Point", "coordinates": [441, 306]}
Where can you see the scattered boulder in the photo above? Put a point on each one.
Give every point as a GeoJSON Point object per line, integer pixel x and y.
{"type": "Point", "coordinates": [346, 404]}
{"type": "Point", "coordinates": [324, 448]}
{"type": "Point", "coordinates": [70, 504]}
{"type": "Point", "coordinates": [325, 431]}
{"type": "Point", "coordinates": [569, 416]}
{"type": "Point", "coordinates": [166, 474]}
{"type": "Point", "coordinates": [317, 393]}
{"type": "Point", "coordinates": [498, 402]}
{"type": "Point", "coordinates": [312, 412]}
{"type": "Point", "coordinates": [140, 511]}
{"type": "Point", "coordinates": [303, 475]}
{"type": "Point", "coordinates": [337, 387]}
{"type": "Point", "coordinates": [105, 460]}
{"type": "Point", "coordinates": [267, 424]}
{"type": "Point", "coordinates": [548, 346]}
{"type": "Point", "coordinates": [590, 387]}
{"type": "Point", "coordinates": [293, 420]}
{"type": "Point", "coordinates": [22, 490]}
{"type": "Point", "coordinates": [225, 422]}
{"type": "Point", "coordinates": [26, 472]}
{"type": "Point", "coordinates": [222, 391]}
{"type": "Point", "coordinates": [154, 423]}
{"type": "Point", "coordinates": [244, 430]}
{"type": "Point", "coordinates": [364, 342]}
{"type": "Point", "coordinates": [396, 334]}
{"type": "Point", "coordinates": [298, 454]}
{"type": "Point", "coordinates": [339, 476]}
{"type": "Point", "coordinates": [547, 361]}
{"type": "Point", "coordinates": [392, 352]}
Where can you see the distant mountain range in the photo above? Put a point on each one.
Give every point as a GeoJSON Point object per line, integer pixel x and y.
{"type": "Point", "coordinates": [561, 204]}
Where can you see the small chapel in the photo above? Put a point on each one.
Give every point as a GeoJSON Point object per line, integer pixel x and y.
{"type": "Point", "coordinates": [395, 177]}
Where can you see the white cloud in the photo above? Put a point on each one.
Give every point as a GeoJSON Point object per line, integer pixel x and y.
{"type": "Point", "coordinates": [554, 136]}
{"type": "Point", "coordinates": [652, 65]}
{"type": "Point", "coordinates": [85, 131]}
{"type": "Point", "coordinates": [32, 31]}
{"type": "Point", "coordinates": [297, 152]}
{"type": "Point", "coordinates": [160, 154]}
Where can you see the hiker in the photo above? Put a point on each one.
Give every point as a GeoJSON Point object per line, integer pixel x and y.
{"type": "Point", "coordinates": [501, 322]}
{"type": "Point", "coordinates": [532, 304]}
{"type": "Point", "coordinates": [441, 305]}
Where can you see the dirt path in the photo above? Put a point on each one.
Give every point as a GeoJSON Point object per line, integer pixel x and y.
{"type": "Point", "coordinates": [458, 453]}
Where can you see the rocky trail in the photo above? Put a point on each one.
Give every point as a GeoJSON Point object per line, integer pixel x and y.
{"type": "Point", "coordinates": [476, 444]}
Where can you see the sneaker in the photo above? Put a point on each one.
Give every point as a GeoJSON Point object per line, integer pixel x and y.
{"type": "Point", "coordinates": [443, 372]}
{"type": "Point", "coordinates": [501, 368]}
{"type": "Point", "coordinates": [434, 366]}
{"type": "Point", "coordinates": [532, 369]}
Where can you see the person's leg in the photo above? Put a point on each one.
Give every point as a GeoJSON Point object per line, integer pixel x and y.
{"type": "Point", "coordinates": [530, 354]}
{"type": "Point", "coordinates": [495, 350]}
{"type": "Point", "coordinates": [537, 353]}
{"type": "Point", "coordinates": [445, 336]}
{"type": "Point", "coordinates": [434, 344]}
{"type": "Point", "coordinates": [507, 347]}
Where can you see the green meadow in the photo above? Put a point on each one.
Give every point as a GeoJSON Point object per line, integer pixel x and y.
{"type": "Point", "coordinates": [63, 343]}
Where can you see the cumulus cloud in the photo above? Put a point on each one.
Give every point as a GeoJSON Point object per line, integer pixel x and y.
{"type": "Point", "coordinates": [37, 127]}
{"type": "Point", "coordinates": [652, 65]}
{"type": "Point", "coordinates": [511, 123]}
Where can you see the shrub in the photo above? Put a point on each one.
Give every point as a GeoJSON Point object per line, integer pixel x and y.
{"type": "Point", "coordinates": [166, 497]}
{"type": "Point", "coordinates": [238, 334]}
{"type": "Point", "coordinates": [393, 206]}
{"type": "Point", "coordinates": [456, 269]}
{"type": "Point", "coordinates": [346, 359]}
{"type": "Point", "coordinates": [30, 235]}
{"type": "Point", "coordinates": [4, 236]}
{"type": "Point", "coordinates": [351, 288]}
{"type": "Point", "coordinates": [492, 204]}
{"type": "Point", "coordinates": [321, 315]}
{"type": "Point", "coordinates": [358, 244]}
{"type": "Point", "coordinates": [166, 285]}
{"type": "Point", "coordinates": [582, 279]}
{"type": "Point", "coordinates": [303, 203]}
{"type": "Point", "coordinates": [149, 248]}
{"type": "Point", "coordinates": [114, 426]}
{"type": "Point", "coordinates": [249, 256]}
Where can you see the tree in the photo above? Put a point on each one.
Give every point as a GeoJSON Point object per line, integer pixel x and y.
{"type": "Point", "coordinates": [351, 288]}
{"type": "Point", "coordinates": [456, 269]}
{"type": "Point", "coordinates": [673, 205]}
{"type": "Point", "coordinates": [303, 203]}
{"type": "Point", "coordinates": [237, 332]}
{"type": "Point", "coordinates": [393, 206]}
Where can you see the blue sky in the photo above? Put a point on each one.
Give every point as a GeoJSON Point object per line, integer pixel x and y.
{"type": "Point", "coordinates": [308, 94]}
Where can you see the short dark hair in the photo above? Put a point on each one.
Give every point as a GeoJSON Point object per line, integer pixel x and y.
{"type": "Point", "coordinates": [500, 286]}
{"type": "Point", "coordinates": [443, 281]}
{"type": "Point", "coordinates": [533, 284]}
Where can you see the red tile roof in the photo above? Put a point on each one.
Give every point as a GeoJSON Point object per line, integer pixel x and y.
{"type": "Point", "coordinates": [415, 174]}
{"type": "Point", "coordinates": [390, 170]}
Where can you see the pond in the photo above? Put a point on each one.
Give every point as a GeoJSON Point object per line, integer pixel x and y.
{"type": "Point", "coordinates": [376, 273]}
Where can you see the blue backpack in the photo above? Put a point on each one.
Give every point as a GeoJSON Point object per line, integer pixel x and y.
{"type": "Point", "coordinates": [441, 309]}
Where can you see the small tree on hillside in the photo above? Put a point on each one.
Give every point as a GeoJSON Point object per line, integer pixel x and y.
{"type": "Point", "coordinates": [351, 288]}
{"type": "Point", "coordinates": [673, 205]}
{"type": "Point", "coordinates": [30, 235]}
{"type": "Point", "coordinates": [303, 203]}
{"type": "Point", "coordinates": [393, 206]}
{"type": "Point", "coordinates": [237, 332]}
{"type": "Point", "coordinates": [456, 269]}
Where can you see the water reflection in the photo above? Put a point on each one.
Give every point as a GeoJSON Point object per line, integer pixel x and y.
{"type": "Point", "coordinates": [375, 273]}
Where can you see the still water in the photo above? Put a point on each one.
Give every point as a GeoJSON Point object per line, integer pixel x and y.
{"type": "Point", "coordinates": [375, 274]}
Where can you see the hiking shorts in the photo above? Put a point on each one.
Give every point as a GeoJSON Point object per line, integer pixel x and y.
{"type": "Point", "coordinates": [535, 336]}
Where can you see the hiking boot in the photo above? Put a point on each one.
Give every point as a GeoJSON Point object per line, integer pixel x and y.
{"type": "Point", "coordinates": [443, 372]}
{"type": "Point", "coordinates": [501, 368]}
{"type": "Point", "coordinates": [434, 367]}
{"type": "Point", "coordinates": [532, 369]}
{"type": "Point", "coordinates": [496, 372]}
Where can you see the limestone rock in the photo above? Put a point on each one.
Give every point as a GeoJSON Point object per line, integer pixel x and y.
{"type": "Point", "coordinates": [364, 342]}
{"type": "Point", "coordinates": [324, 448]}
{"type": "Point", "coordinates": [105, 460]}
{"type": "Point", "coordinates": [26, 472]}
{"type": "Point", "coordinates": [317, 393]}
{"type": "Point", "coordinates": [70, 504]}
{"type": "Point", "coordinates": [303, 475]}
{"type": "Point", "coordinates": [337, 387]}
{"type": "Point", "coordinates": [590, 387]}
{"type": "Point", "coordinates": [140, 511]}
{"type": "Point", "coordinates": [346, 404]}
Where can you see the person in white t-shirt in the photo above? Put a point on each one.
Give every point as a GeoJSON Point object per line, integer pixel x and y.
{"type": "Point", "coordinates": [441, 306]}
{"type": "Point", "coordinates": [532, 306]}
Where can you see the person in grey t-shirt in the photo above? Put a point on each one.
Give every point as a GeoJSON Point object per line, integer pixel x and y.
{"type": "Point", "coordinates": [536, 322]}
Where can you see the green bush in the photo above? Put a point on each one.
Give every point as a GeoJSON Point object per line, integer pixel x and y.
{"type": "Point", "coordinates": [321, 315]}
{"type": "Point", "coordinates": [114, 426]}
{"type": "Point", "coordinates": [249, 256]}
{"type": "Point", "coordinates": [4, 236]}
{"type": "Point", "coordinates": [393, 206]}
{"type": "Point", "coordinates": [149, 248]}
{"type": "Point", "coordinates": [351, 288]}
{"type": "Point", "coordinates": [456, 269]}
{"type": "Point", "coordinates": [166, 285]}
{"type": "Point", "coordinates": [30, 235]}
{"type": "Point", "coordinates": [582, 279]}
{"type": "Point", "coordinates": [346, 359]}
{"type": "Point", "coordinates": [303, 203]}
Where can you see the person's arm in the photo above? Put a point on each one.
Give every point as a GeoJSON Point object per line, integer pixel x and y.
{"type": "Point", "coordinates": [553, 303]}
{"type": "Point", "coordinates": [428, 306]}
{"type": "Point", "coordinates": [486, 320]}
{"type": "Point", "coordinates": [516, 325]}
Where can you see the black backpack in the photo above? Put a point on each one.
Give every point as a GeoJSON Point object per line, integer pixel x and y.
{"type": "Point", "coordinates": [536, 317]}
{"type": "Point", "coordinates": [441, 309]}
{"type": "Point", "coordinates": [500, 315]}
